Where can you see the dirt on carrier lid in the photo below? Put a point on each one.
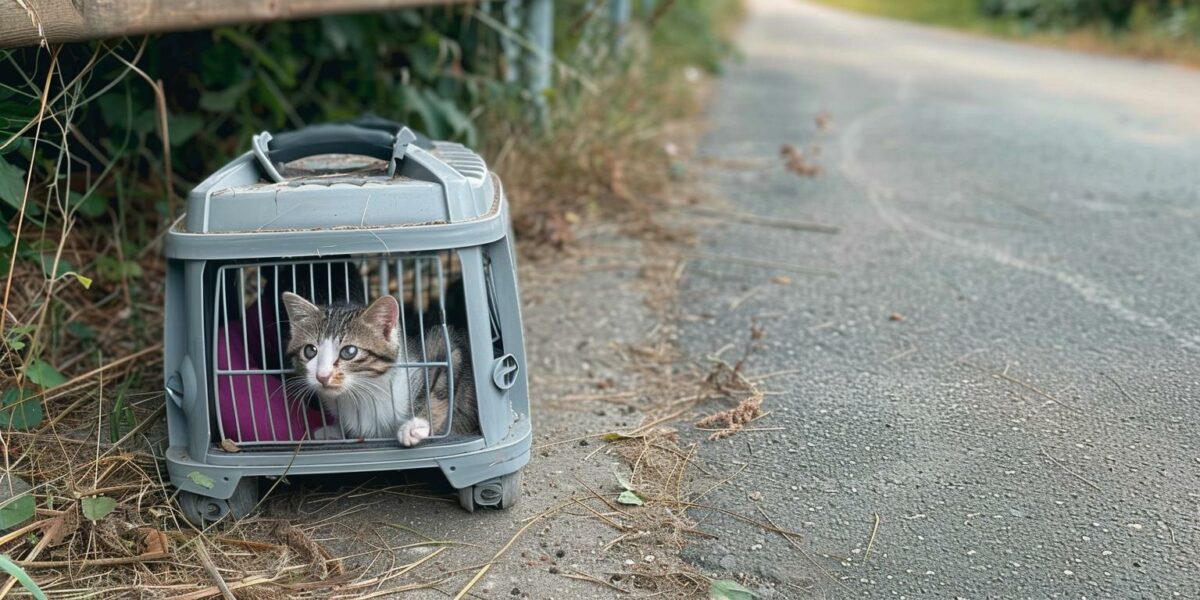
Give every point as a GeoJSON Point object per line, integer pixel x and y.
{"type": "Point", "coordinates": [324, 166]}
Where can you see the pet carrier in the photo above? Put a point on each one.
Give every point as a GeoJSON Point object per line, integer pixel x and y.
{"type": "Point", "coordinates": [342, 214]}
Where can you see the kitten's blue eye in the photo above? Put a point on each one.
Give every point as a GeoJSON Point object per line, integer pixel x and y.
{"type": "Point", "coordinates": [348, 352]}
{"type": "Point", "coordinates": [310, 351]}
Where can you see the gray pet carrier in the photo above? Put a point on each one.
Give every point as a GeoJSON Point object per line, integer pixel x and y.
{"type": "Point", "coordinates": [338, 213]}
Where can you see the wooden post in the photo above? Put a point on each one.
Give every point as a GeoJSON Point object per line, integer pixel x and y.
{"type": "Point", "coordinates": [30, 22]}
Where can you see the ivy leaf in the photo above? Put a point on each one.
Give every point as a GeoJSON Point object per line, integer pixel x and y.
{"type": "Point", "coordinates": [181, 128]}
{"type": "Point", "coordinates": [17, 510]}
{"type": "Point", "coordinates": [12, 184]}
{"type": "Point", "coordinates": [49, 268]}
{"type": "Point", "coordinates": [226, 99]}
{"type": "Point", "coordinates": [81, 331]}
{"type": "Point", "coordinates": [41, 373]}
{"type": "Point", "coordinates": [631, 498]}
{"type": "Point", "coordinates": [91, 205]}
{"type": "Point", "coordinates": [97, 507]}
{"type": "Point", "coordinates": [725, 589]}
{"type": "Point", "coordinates": [6, 237]}
{"type": "Point", "coordinates": [111, 269]}
{"type": "Point", "coordinates": [15, 339]}
{"type": "Point", "coordinates": [201, 479]}
{"type": "Point", "coordinates": [114, 110]}
{"type": "Point", "coordinates": [19, 410]}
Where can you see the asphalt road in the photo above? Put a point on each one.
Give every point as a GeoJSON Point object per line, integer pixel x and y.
{"type": "Point", "coordinates": [1026, 425]}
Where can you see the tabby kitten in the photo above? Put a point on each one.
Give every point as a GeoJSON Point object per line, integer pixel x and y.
{"type": "Point", "coordinates": [347, 355]}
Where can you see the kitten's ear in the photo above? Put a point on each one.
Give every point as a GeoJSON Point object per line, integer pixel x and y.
{"type": "Point", "coordinates": [299, 309]}
{"type": "Point", "coordinates": [383, 313]}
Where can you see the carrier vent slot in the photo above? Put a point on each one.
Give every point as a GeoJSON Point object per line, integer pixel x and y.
{"type": "Point", "coordinates": [462, 160]}
{"type": "Point", "coordinates": [493, 312]}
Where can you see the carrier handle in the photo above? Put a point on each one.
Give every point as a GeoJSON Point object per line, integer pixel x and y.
{"type": "Point", "coordinates": [370, 120]}
{"type": "Point", "coordinates": [330, 139]}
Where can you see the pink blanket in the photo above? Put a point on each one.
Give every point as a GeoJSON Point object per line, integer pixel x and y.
{"type": "Point", "coordinates": [256, 408]}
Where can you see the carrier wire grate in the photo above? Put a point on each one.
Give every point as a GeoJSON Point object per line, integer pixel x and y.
{"type": "Point", "coordinates": [260, 401]}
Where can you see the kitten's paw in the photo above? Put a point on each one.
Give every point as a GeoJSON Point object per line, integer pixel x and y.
{"type": "Point", "coordinates": [412, 432]}
{"type": "Point", "coordinates": [328, 432]}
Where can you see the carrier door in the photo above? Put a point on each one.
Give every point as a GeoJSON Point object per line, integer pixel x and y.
{"type": "Point", "coordinates": [495, 415]}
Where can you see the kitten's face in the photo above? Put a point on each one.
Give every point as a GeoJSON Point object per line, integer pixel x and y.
{"type": "Point", "coordinates": [342, 349]}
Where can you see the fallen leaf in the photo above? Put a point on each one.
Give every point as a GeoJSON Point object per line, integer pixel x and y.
{"type": "Point", "coordinates": [781, 279]}
{"type": "Point", "coordinates": [83, 280]}
{"type": "Point", "coordinates": [201, 479]}
{"type": "Point", "coordinates": [630, 497]}
{"type": "Point", "coordinates": [795, 161]}
{"type": "Point", "coordinates": [154, 542]}
{"type": "Point", "coordinates": [229, 445]}
{"type": "Point", "coordinates": [823, 120]}
{"type": "Point", "coordinates": [97, 507]}
{"type": "Point", "coordinates": [724, 589]}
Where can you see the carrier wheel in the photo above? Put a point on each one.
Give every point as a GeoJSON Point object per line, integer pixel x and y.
{"type": "Point", "coordinates": [500, 493]}
{"type": "Point", "coordinates": [203, 511]}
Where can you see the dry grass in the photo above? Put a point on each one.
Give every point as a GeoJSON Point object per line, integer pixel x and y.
{"type": "Point", "coordinates": [1147, 45]}
{"type": "Point", "coordinates": [603, 159]}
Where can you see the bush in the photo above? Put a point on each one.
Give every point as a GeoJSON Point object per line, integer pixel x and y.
{"type": "Point", "coordinates": [1116, 15]}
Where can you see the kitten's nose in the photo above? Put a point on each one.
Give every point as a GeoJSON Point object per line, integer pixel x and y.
{"type": "Point", "coordinates": [323, 378]}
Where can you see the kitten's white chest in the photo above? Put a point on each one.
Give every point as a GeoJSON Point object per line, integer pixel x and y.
{"type": "Point", "coordinates": [401, 395]}
{"type": "Point", "coordinates": [378, 411]}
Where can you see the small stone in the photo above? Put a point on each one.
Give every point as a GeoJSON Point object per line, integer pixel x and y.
{"type": "Point", "coordinates": [728, 562]}
{"type": "Point", "coordinates": [756, 496]}
{"type": "Point", "coordinates": [560, 553]}
{"type": "Point", "coordinates": [554, 571]}
{"type": "Point", "coordinates": [649, 558]}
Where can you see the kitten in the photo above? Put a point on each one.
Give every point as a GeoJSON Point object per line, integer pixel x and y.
{"type": "Point", "coordinates": [347, 356]}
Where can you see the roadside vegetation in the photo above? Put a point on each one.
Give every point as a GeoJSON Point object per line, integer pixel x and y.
{"type": "Point", "coordinates": [1155, 29]}
{"type": "Point", "coordinates": [99, 144]}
